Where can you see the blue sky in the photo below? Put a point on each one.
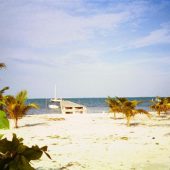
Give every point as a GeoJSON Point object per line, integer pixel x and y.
{"type": "Point", "coordinates": [87, 48]}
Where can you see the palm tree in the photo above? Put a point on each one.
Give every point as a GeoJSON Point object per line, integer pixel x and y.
{"type": "Point", "coordinates": [16, 106]}
{"type": "Point", "coordinates": [168, 103]}
{"type": "Point", "coordinates": [113, 106]}
{"type": "Point", "coordinates": [160, 104]}
{"type": "Point", "coordinates": [129, 110]}
{"type": "Point", "coordinates": [123, 105]}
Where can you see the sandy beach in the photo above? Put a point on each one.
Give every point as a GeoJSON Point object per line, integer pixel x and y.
{"type": "Point", "coordinates": [97, 141]}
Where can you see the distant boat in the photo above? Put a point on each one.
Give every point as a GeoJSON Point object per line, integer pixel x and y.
{"type": "Point", "coordinates": [55, 103]}
{"type": "Point", "coordinates": [65, 106]}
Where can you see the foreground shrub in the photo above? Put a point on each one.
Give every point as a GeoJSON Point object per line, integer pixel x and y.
{"type": "Point", "coordinates": [14, 155]}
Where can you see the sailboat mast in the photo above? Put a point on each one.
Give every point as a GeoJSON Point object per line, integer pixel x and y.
{"type": "Point", "coordinates": [55, 96]}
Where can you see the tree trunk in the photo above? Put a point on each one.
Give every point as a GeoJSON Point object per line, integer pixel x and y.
{"type": "Point", "coordinates": [114, 115]}
{"type": "Point", "coordinates": [159, 112]}
{"type": "Point", "coordinates": [128, 121]}
{"type": "Point", "coordinates": [16, 122]}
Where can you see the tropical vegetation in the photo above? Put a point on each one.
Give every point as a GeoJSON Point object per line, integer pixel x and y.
{"type": "Point", "coordinates": [126, 107]}
{"type": "Point", "coordinates": [2, 97]}
{"type": "Point", "coordinates": [2, 65]}
{"type": "Point", "coordinates": [14, 155]}
{"type": "Point", "coordinates": [4, 123]}
{"type": "Point", "coordinates": [113, 106]}
{"type": "Point", "coordinates": [16, 106]}
{"type": "Point", "coordinates": [160, 105]}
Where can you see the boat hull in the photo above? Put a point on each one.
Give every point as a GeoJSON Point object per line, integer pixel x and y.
{"type": "Point", "coordinates": [53, 107]}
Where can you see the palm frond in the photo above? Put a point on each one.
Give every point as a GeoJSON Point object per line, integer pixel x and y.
{"type": "Point", "coordinates": [21, 97]}
{"type": "Point", "coordinates": [34, 106]}
{"type": "Point", "coordinates": [2, 103]}
{"type": "Point", "coordinates": [2, 65]}
{"type": "Point", "coordinates": [136, 102]}
{"type": "Point", "coordinates": [4, 89]}
{"type": "Point", "coordinates": [121, 99]}
{"type": "Point", "coordinates": [142, 111]}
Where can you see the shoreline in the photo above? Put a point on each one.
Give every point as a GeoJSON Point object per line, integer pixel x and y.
{"type": "Point", "coordinates": [96, 141]}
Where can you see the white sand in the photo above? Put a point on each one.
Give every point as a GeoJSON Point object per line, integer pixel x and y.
{"type": "Point", "coordinates": [97, 142]}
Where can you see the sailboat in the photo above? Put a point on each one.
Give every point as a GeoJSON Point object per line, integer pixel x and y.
{"type": "Point", "coordinates": [55, 103]}
{"type": "Point", "coordinates": [65, 106]}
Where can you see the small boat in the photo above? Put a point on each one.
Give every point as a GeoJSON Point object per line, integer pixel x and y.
{"type": "Point", "coordinates": [54, 103]}
{"type": "Point", "coordinates": [65, 106]}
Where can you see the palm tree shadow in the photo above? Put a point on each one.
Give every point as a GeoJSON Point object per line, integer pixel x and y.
{"type": "Point", "coordinates": [71, 164]}
{"type": "Point", "coordinates": [164, 119]}
{"type": "Point", "coordinates": [118, 118]}
{"type": "Point", "coordinates": [133, 124]}
{"type": "Point", "coordinates": [137, 124]}
{"type": "Point", "coordinates": [161, 116]}
{"type": "Point", "coordinates": [160, 125]}
{"type": "Point", "coordinates": [34, 124]}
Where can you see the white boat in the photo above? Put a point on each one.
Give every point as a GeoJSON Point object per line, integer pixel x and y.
{"type": "Point", "coordinates": [65, 106]}
{"type": "Point", "coordinates": [55, 103]}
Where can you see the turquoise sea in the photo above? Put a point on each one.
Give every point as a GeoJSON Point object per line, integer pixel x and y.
{"type": "Point", "coordinates": [94, 105]}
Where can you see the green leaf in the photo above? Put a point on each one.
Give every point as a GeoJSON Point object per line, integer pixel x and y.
{"type": "Point", "coordinates": [21, 148]}
{"type": "Point", "coordinates": [5, 145]}
{"type": "Point", "coordinates": [33, 153]}
{"type": "Point", "coordinates": [3, 164]}
{"type": "Point", "coordinates": [24, 164]}
{"type": "Point", "coordinates": [2, 103]}
{"type": "Point", "coordinates": [44, 148]}
{"type": "Point", "coordinates": [2, 114]}
{"type": "Point", "coordinates": [4, 89]}
{"type": "Point", "coordinates": [14, 155]}
{"type": "Point", "coordinates": [4, 123]}
{"type": "Point", "coordinates": [20, 163]}
{"type": "Point", "coordinates": [16, 141]}
{"type": "Point", "coordinates": [47, 155]}
{"type": "Point", "coordinates": [1, 135]}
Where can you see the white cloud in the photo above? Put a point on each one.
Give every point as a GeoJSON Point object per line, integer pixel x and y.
{"type": "Point", "coordinates": [58, 27]}
{"type": "Point", "coordinates": [65, 60]}
{"type": "Point", "coordinates": [159, 36]}
{"type": "Point", "coordinates": [155, 37]}
{"type": "Point", "coordinates": [46, 27]}
{"type": "Point", "coordinates": [82, 63]}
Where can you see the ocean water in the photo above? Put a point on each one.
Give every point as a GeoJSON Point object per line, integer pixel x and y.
{"type": "Point", "coordinates": [94, 105]}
